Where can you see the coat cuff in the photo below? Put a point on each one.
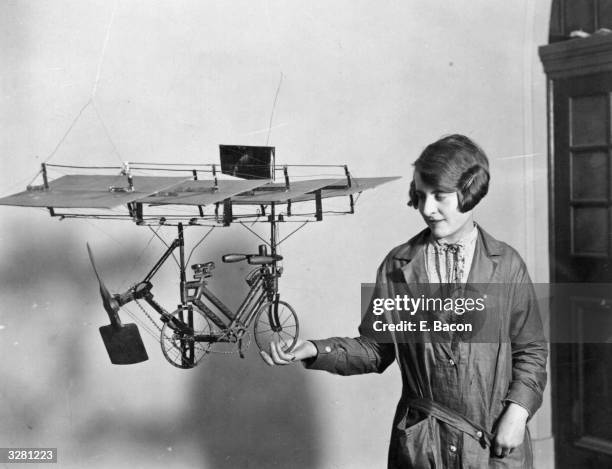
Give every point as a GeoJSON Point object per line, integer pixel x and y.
{"type": "Point", "coordinates": [325, 358]}
{"type": "Point", "coordinates": [523, 395]}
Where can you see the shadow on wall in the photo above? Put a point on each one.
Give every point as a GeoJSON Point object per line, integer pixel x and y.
{"type": "Point", "coordinates": [251, 416]}
{"type": "Point", "coordinates": [42, 338]}
{"type": "Point", "coordinates": [238, 414]}
{"type": "Point", "coordinates": [235, 412]}
{"type": "Point", "coordinates": [246, 414]}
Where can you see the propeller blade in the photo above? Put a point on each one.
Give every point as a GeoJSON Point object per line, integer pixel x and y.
{"type": "Point", "coordinates": [110, 304]}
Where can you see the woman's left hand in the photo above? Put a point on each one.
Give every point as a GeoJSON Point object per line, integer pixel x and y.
{"type": "Point", "coordinates": [510, 430]}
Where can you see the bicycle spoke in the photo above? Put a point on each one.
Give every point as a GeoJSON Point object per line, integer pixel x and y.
{"type": "Point", "coordinates": [181, 350]}
{"type": "Point", "coordinates": [288, 317]}
{"type": "Point", "coordinates": [265, 322]}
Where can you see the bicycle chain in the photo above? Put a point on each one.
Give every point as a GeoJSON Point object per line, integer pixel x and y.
{"type": "Point", "coordinates": [247, 334]}
{"type": "Point", "coordinates": [148, 315]}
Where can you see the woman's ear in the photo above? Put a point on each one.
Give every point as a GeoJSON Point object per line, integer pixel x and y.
{"type": "Point", "coordinates": [413, 199]}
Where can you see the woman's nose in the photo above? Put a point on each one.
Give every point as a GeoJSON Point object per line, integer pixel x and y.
{"type": "Point", "coordinates": [430, 206]}
{"type": "Point", "coordinates": [426, 205]}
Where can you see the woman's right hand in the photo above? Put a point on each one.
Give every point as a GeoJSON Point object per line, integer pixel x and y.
{"type": "Point", "coordinates": [303, 350]}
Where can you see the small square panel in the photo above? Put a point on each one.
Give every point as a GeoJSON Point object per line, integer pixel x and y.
{"type": "Point", "coordinates": [590, 231]}
{"type": "Point", "coordinates": [589, 178]}
{"type": "Point", "coordinates": [247, 162]}
{"type": "Point", "coordinates": [589, 120]}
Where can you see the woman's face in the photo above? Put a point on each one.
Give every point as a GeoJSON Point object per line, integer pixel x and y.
{"type": "Point", "coordinates": [440, 210]}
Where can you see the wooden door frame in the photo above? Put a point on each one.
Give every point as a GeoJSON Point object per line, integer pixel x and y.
{"type": "Point", "coordinates": [564, 60]}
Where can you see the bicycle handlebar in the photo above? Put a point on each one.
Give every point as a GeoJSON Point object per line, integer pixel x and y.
{"type": "Point", "coordinates": [234, 257]}
{"type": "Point", "coordinates": [260, 260]}
{"type": "Point", "coordinates": [254, 259]}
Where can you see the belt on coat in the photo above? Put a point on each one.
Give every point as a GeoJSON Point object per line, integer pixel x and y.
{"type": "Point", "coordinates": [453, 419]}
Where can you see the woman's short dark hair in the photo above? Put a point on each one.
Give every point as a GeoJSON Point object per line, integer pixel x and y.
{"type": "Point", "coordinates": [454, 164]}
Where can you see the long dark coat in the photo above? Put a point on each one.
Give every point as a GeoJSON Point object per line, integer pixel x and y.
{"type": "Point", "coordinates": [474, 379]}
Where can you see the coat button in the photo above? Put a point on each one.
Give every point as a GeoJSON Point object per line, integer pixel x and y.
{"type": "Point", "coordinates": [451, 362]}
{"type": "Point", "coordinates": [328, 349]}
{"type": "Point", "coordinates": [452, 448]}
{"type": "Point", "coordinates": [479, 434]}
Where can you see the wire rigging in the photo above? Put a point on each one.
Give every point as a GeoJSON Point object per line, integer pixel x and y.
{"type": "Point", "coordinates": [165, 244]}
{"type": "Point", "coordinates": [108, 135]}
{"type": "Point", "coordinates": [93, 94]}
{"type": "Point", "coordinates": [293, 232]}
{"type": "Point", "coordinates": [136, 262]}
{"type": "Point", "coordinates": [198, 243]}
{"type": "Point", "coordinates": [103, 53]}
{"type": "Point", "coordinates": [70, 127]}
{"type": "Point", "coordinates": [280, 81]}
{"type": "Point", "coordinates": [254, 233]}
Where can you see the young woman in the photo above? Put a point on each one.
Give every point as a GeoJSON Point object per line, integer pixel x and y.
{"type": "Point", "coordinates": [465, 402]}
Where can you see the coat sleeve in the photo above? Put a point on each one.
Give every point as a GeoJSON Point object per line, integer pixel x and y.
{"type": "Point", "coordinates": [364, 354]}
{"type": "Point", "coordinates": [529, 347]}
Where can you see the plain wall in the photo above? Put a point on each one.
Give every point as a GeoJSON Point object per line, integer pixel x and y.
{"type": "Point", "coordinates": [364, 83]}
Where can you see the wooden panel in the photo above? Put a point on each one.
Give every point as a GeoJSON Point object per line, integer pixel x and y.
{"type": "Point", "coordinates": [590, 231]}
{"type": "Point", "coordinates": [589, 175]}
{"type": "Point", "coordinates": [589, 120]}
{"type": "Point", "coordinates": [594, 367]}
{"type": "Point", "coordinates": [579, 14]}
{"type": "Point", "coordinates": [604, 16]}
{"type": "Point", "coordinates": [577, 57]}
{"type": "Point", "coordinates": [596, 370]}
{"type": "Point", "coordinates": [555, 30]}
{"type": "Point", "coordinates": [571, 15]}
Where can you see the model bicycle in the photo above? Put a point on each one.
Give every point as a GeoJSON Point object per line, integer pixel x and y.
{"type": "Point", "coordinates": [193, 330]}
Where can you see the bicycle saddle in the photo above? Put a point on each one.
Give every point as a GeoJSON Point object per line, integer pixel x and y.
{"type": "Point", "coordinates": [206, 267]}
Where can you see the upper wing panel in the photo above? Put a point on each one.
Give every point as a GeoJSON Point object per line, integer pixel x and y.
{"type": "Point", "coordinates": [279, 193]}
{"type": "Point", "coordinates": [91, 191]}
{"type": "Point", "coordinates": [203, 192]}
{"type": "Point", "coordinates": [357, 185]}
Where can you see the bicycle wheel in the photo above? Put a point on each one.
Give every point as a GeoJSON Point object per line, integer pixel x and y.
{"type": "Point", "coordinates": [180, 349]}
{"type": "Point", "coordinates": [282, 327]}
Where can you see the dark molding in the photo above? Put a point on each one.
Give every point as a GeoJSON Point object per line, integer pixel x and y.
{"type": "Point", "coordinates": [594, 444]}
{"type": "Point", "coordinates": [577, 57]}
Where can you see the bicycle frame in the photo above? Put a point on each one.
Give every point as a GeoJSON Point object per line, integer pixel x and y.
{"type": "Point", "coordinates": [255, 297]}
{"type": "Point", "coordinates": [231, 326]}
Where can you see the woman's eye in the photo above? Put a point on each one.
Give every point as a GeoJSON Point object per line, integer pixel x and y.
{"type": "Point", "coordinates": [440, 196]}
